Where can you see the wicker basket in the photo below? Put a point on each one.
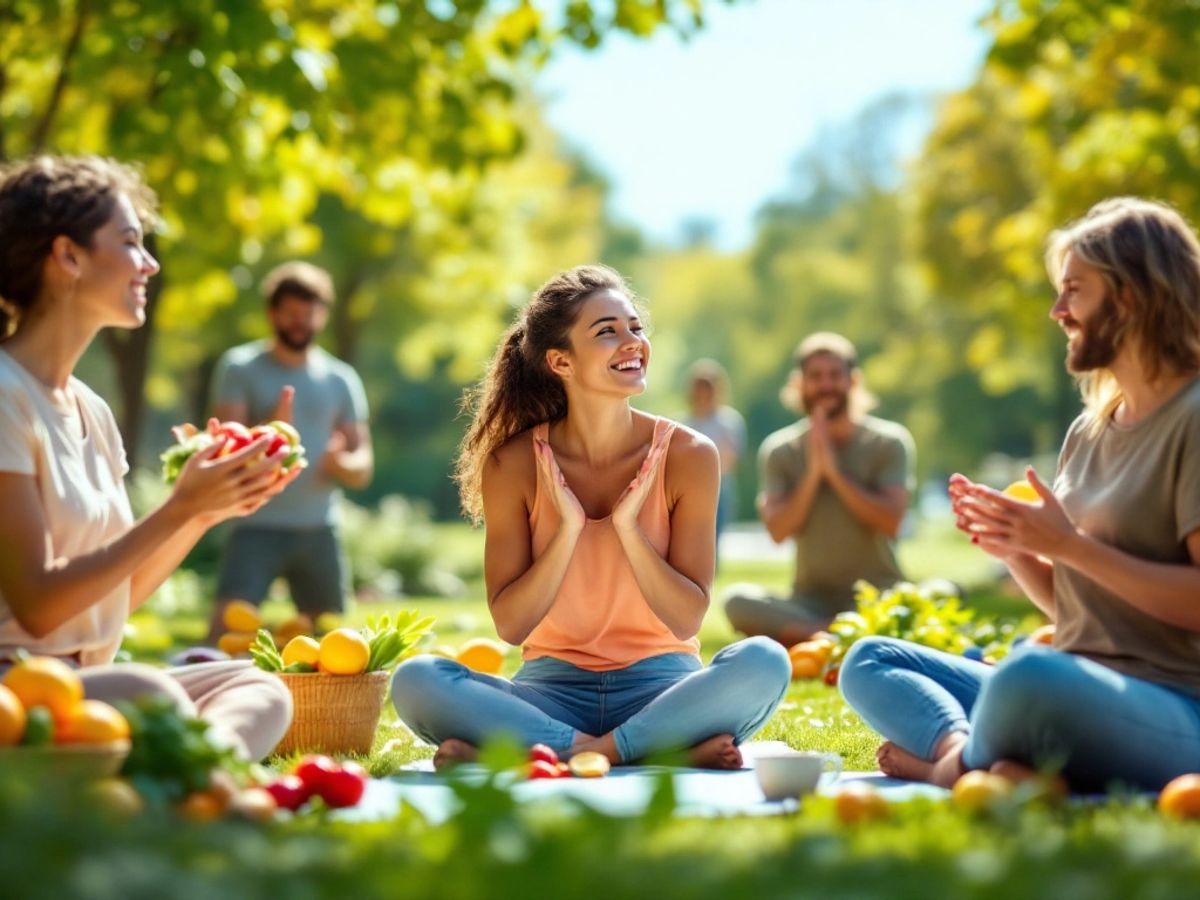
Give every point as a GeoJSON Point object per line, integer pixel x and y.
{"type": "Point", "coordinates": [333, 713]}
{"type": "Point", "coordinates": [66, 760]}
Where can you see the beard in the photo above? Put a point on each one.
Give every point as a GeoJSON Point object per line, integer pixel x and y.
{"type": "Point", "coordinates": [296, 339]}
{"type": "Point", "coordinates": [841, 402]}
{"type": "Point", "coordinates": [1096, 346]}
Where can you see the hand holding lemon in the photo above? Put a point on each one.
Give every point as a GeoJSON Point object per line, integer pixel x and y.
{"type": "Point", "coordinates": [1023, 490]}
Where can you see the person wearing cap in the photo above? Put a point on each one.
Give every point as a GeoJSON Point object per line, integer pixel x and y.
{"type": "Point", "coordinates": [837, 482]}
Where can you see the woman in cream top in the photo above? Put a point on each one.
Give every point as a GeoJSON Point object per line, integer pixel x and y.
{"type": "Point", "coordinates": [74, 562]}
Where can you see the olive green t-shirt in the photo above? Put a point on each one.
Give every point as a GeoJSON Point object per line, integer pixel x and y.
{"type": "Point", "coordinates": [1136, 488]}
{"type": "Point", "coordinates": [834, 549]}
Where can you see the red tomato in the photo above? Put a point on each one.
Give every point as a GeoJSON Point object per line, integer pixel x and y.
{"type": "Point", "coordinates": [236, 437]}
{"type": "Point", "coordinates": [344, 787]}
{"type": "Point", "coordinates": [542, 769]}
{"type": "Point", "coordinates": [277, 439]}
{"type": "Point", "coordinates": [543, 753]}
{"type": "Point", "coordinates": [314, 769]}
{"type": "Point", "coordinates": [289, 792]}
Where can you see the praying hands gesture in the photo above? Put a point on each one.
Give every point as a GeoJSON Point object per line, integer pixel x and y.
{"type": "Point", "coordinates": [631, 501]}
{"type": "Point", "coordinates": [821, 462]}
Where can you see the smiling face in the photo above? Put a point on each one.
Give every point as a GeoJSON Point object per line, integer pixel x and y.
{"type": "Point", "coordinates": [610, 352]}
{"type": "Point", "coordinates": [825, 383]}
{"type": "Point", "coordinates": [297, 320]}
{"type": "Point", "coordinates": [1087, 312]}
{"type": "Point", "coordinates": [114, 270]}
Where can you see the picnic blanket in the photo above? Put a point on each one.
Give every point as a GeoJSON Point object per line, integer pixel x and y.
{"type": "Point", "coordinates": [626, 791]}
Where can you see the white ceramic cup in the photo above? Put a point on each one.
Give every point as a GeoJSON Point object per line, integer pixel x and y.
{"type": "Point", "coordinates": [793, 773]}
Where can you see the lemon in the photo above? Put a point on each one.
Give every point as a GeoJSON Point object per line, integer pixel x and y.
{"type": "Point", "coordinates": [978, 791]}
{"type": "Point", "coordinates": [240, 615]}
{"type": "Point", "coordinates": [1023, 490]}
{"type": "Point", "coordinates": [482, 655]}
{"type": "Point", "coordinates": [301, 649]}
{"type": "Point", "coordinates": [235, 643]}
{"type": "Point", "coordinates": [343, 651]}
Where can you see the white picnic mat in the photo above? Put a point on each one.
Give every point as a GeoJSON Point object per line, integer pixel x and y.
{"type": "Point", "coordinates": [626, 791]}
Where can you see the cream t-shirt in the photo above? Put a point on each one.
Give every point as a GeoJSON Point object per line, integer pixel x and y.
{"type": "Point", "coordinates": [1136, 488]}
{"type": "Point", "coordinates": [79, 481]}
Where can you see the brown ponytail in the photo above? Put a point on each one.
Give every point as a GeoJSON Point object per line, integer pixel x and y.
{"type": "Point", "coordinates": [519, 390]}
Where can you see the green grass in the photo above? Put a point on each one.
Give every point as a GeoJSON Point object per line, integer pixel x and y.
{"type": "Point", "coordinates": [495, 848]}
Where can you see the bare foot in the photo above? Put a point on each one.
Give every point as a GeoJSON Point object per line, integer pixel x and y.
{"type": "Point", "coordinates": [943, 770]}
{"type": "Point", "coordinates": [452, 751]}
{"type": "Point", "coordinates": [896, 762]}
{"type": "Point", "coordinates": [718, 752]}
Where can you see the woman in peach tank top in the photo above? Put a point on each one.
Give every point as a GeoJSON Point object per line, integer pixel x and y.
{"type": "Point", "coordinates": [599, 555]}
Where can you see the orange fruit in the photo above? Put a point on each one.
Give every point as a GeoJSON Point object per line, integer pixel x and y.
{"type": "Point", "coordinates": [46, 681]}
{"type": "Point", "coordinates": [93, 722]}
{"type": "Point", "coordinates": [241, 615]}
{"type": "Point", "coordinates": [301, 649]}
{"type": "Point", "coordinates": [482, 655]}
{"type": "Point", "coordinates": [1181, 797]}
{"type": "Point", "coordinates": [807, 660]}
{"type": "Point", "coordinates": [343, 651]}
{"type": "Point", "coordinates": [1023, 490]}
{"type": "Point", "coordinates": [858, 802]}
{"type": "Point", "coordinates": [1042, 635]}
{"type": "Point", "coordinates": [12, 718]}
{"type": "Point", "coordinates": [201, 806]}
{"type": "Point", "coordinates": [977, 791]}
{"type": "Point", "coordinates": [236, 643]}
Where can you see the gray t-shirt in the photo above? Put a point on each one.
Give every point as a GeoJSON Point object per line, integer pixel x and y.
{"type": "Point", "coordinates": [329, 395]}
{"type": "Point", "coordinates": [835, 549]}
{"type": "Point", "coordinates": [1136, 488]}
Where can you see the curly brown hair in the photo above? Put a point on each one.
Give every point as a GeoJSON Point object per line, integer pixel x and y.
{"type": "Point", "coordinates": [519, 390]}
{"type": "Point", "coordinates": [44, 197]}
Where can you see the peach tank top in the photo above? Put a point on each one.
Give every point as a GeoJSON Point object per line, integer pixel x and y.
{"type": "Point", "coordinates": [600, 620]}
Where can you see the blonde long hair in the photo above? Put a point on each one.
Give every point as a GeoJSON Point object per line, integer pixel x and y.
{"type": "Point", "coordinates": [1149, 258]}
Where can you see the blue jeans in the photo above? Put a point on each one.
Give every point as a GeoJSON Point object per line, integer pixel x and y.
{"type": "Point", "coordinates": [1039, 707]}
{"type": "Point", "coordinates": [659, 704]}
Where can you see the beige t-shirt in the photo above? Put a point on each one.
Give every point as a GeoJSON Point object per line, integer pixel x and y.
{"type": "Point", "coordinates": [79, 482]}
{"type": "Point", "coordinates": [835, 549]}
{"type": "Point", "coordinates": [1136, 488]}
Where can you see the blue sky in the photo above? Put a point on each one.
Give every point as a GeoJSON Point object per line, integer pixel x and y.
{"type": "Point", "coordinates": [710, 127]}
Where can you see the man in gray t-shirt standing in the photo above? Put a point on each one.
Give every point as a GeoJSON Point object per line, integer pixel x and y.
{"type": "Point", "coordinates": [288, 376]}
{"type": "Point", "coordinates": [838, 483]}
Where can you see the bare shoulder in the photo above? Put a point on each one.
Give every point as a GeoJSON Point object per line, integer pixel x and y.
{"type": "Point", "coordinates": [691, 455]}
{"type": "Point", "coordinates": [514, 460]}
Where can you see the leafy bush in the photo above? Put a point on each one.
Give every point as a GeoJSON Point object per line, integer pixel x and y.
{"type": "Point", "coordinates": [924, 615]}
{"type": "Point", "coordinates": [393, 550]}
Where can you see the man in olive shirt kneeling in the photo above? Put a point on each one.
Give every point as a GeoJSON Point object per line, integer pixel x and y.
{"type": "Point", "coordinates": [838, 482]}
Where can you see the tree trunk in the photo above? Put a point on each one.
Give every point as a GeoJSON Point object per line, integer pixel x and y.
{"type": "Point", "coordinates": [346, 330]}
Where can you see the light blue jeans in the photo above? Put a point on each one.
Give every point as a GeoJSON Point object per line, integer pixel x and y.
{"type": "Point", "coordinates": [663, 703]}
{"type": "Point", "coordinates": [1039, 707]}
